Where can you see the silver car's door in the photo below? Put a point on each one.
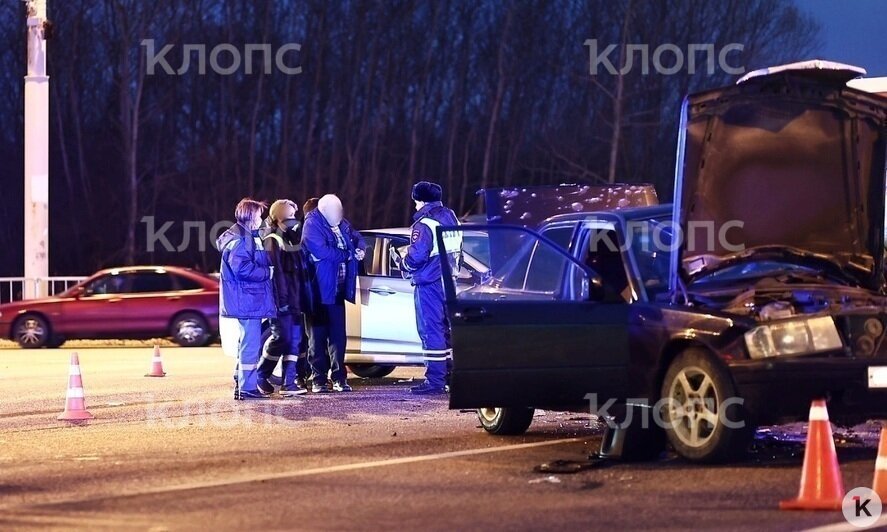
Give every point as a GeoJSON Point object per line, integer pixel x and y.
{"type": "Point", "coordinates": [388, 316]}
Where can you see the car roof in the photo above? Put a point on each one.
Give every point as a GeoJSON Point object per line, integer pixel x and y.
{"type": "Point", "coordinates": [159, 269]}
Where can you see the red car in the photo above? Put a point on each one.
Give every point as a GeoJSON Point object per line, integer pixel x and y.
{"type": "Point", "coordinates": [131, 303]}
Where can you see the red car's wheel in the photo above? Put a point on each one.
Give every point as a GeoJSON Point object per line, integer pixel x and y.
{"type": "Point", "coordinates": [31, 331]}
{"type": "Point", "coordinates": [190, 330]}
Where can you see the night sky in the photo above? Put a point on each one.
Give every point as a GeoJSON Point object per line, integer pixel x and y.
{"type": "Point", "coordinates": [853, 31]}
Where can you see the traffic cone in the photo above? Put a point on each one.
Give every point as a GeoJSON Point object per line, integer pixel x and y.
{"type": "Point", "coordinates": [821, 485]}
{"type": "Point", "coordinates": [156, 365]}
{"type": "Point", "coordinates": [879, 485]}
{"type": "Point", "coordinates": [75, 405]}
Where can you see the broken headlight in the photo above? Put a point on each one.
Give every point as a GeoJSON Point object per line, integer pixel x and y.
{"type": "Point", "coordinates": [793, 337]}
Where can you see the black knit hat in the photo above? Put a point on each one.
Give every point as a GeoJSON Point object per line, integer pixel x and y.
{"type": "Point", "coordinates": [427, 192]}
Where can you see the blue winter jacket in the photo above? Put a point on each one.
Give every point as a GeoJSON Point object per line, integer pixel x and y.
{"type": "Point", "coordinates": [323, 252]}
{"type": "Point", "coordinates": [245, 290]}
{"type": "Point", "coordinates": [422, 262]}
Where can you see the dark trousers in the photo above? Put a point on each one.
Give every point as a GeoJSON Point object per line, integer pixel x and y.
{"type": "Point", "coordinates": [434, 331]}
{"type": "Point", "coordinates": [326, 342]}
{"type": "Point", "coordinates": [284, 342]}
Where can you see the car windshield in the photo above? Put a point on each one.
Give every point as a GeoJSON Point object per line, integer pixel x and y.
{"type": "Point", "coordinates": [650, 242]}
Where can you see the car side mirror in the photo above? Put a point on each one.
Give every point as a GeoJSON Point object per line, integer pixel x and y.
{"type": "Point", "coordinates": [78, 292]}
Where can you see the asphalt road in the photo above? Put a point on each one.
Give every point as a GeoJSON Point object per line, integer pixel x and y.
{"type": "Point", "coordinates": [176, 453]}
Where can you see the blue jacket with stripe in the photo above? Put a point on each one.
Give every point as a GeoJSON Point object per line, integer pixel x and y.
{"type": "Point", "coordinates": [245, 290]}
{"type": "Point", "coordinates": [422, 261]}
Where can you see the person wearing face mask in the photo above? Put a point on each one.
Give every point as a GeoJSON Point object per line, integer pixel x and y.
{"type": "Point", "coordinates": [245, 294]}
{"type": "Point", "coordinates": [334, 249]}
{"type": "Point", "coordinates": [422, 265]}
{"type": "Point", "coordinates": [282, 246]}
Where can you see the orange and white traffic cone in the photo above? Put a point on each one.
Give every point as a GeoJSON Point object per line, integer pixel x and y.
{"type": "Point", "coordinates": [75, 404]}
{"type": "Point", "coordinates": [822, 487]}
{"type": "Point", "coordinates": [156, 365]}
{"type": "Point", "coordinates": [879, 485]}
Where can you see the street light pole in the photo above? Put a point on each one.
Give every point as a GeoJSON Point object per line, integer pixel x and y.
{"type": "Point", "coordinates": [36, 155]}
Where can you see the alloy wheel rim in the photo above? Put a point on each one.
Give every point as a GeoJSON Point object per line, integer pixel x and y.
{"type": "Point", "coordinates": [488, 414]}
{"type": "Point", "coordinates": [693, 406]}
{"type": "Point", "coordinates": [189, 331]}
{"type": "Point", "coordinates": [30, 332]}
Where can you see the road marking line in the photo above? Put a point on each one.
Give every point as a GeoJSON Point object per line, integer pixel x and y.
{"type": "Point", "coordinates": [97, 406]}
{"type": "Point", "coordinates": [75, 519]}
{"type": "Point", "coordinates": [247, 479]}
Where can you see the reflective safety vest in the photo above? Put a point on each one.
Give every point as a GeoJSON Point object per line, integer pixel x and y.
{"type": "Point", "coordinates": [452, 239]}
{"type": "Point", "coordinates": [277, 237]}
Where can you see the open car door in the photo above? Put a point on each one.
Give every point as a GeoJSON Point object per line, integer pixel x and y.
{"type": "Point", "coordinates": [527, 333]}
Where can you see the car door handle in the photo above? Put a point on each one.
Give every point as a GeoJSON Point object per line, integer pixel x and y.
{"type": "Point", "coordinates": [383, 291]}
{"type": "Point", "coordinates": [472, 314]}
{"type": "Point", "coordinates": [174, 298]}
{"type": "Point", "coordinates": [115, 300]}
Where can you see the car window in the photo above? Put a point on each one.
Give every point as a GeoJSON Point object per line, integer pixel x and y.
{"type": "Point", "coordinates": [185, 283]}
{"type": "Point", "coordinates": [148, 282]}
{"type": "Point", "coordinates": [477, 245]}
{"type": "Point", "coordinates": [538, 270]}
{"type": "Point", "coordinates": [371, 264]}
{"type": "Point", "coordinates": [106, 284]}
{"type": "Point", "coordinates": [546, 264]}
{"type": "Point", "coordinates": [514, 272]}
{"type": "Point", "coordinates": [605, 258]}
{"type": "Point", "coordinates": [651, 244]}
{"type": "Point", "coordinates": [397, 245]}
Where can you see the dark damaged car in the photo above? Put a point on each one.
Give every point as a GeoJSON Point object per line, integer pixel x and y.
{"type": "Point", "coordinates": [759, 290]}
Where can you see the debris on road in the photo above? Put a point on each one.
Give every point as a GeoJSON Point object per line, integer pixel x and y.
{"type": "Point", "coordinates": [569, 467]}
{"type": "Point", "coordinates": [551, 479]}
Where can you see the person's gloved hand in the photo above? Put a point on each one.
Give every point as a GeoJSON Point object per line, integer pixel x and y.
{"type": "Point", "coordinates": [359, 254]}
{"type": "Point", "coordinates": [395, 256]}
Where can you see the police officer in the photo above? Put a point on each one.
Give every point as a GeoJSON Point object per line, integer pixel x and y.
{"type": "Point", "coordinates": [422, 263]}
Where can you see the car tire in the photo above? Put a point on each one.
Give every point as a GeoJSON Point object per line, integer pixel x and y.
{"type": "Point", "coordinates": [697, 409]}
{"type": "Point", "coordinates": [32, 331]}
{"type": "Point", "coordinates": [371, 371]}
{"type": "Point", "coordinates": [505, 421]}
{"type": "Point", "coordinates": [56, 341]}
{"type": "Point", "coordinates": [190, 329]}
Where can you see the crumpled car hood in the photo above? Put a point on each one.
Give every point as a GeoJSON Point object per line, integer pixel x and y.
{"type": "Point", "coordinates": [782, 160]}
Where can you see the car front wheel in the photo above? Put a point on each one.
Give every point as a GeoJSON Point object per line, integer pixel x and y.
{"type": "Point", "coordinates": [505, 421]}
{"type": "Point", "coordinates": [704, 418]}
{"type": "Point", "coordinates": [371, 371]}
{"type": "Point", "coordinates": [190, 330]}
{"type": "Point", "coordinates": [32, 331]}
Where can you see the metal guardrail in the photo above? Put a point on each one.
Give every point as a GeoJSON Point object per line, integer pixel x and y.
{"type": "Point", "coordinates": [19, 288]}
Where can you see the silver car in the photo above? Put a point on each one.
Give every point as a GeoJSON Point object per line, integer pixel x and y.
{"type": "Point", "coordinates": [381, 324]}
